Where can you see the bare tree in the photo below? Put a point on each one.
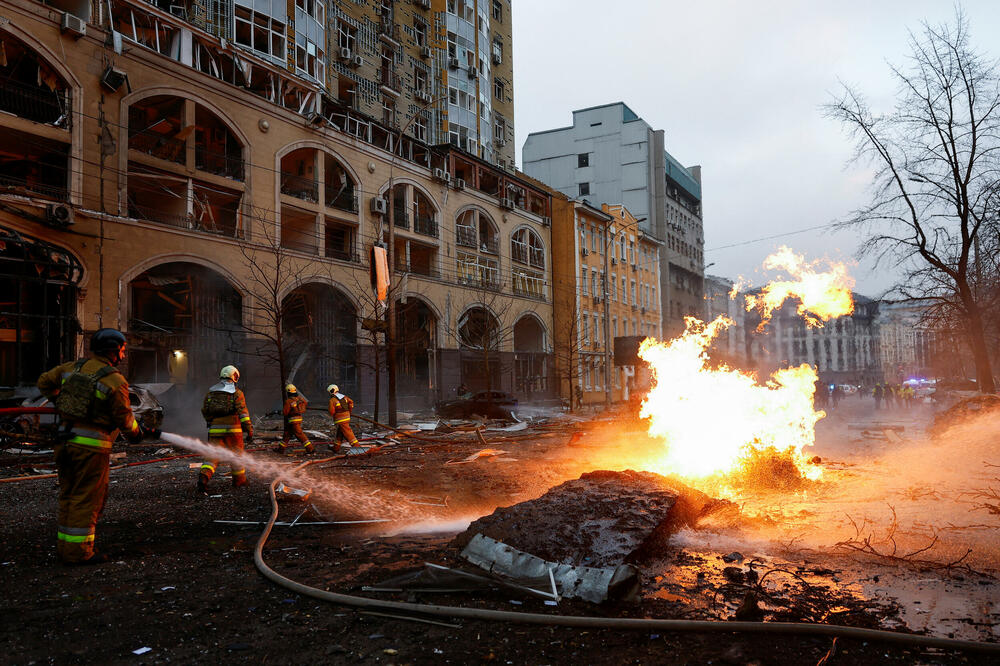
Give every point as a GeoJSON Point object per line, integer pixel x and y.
{"type": "Point", "coordinates": [271, 272]}
{"type": "Point", "coordinates": [568, 352]}
{"type": "Point", "coordinates": [484, 328]}
{"type": "Point", "coordinates": [935, 190]}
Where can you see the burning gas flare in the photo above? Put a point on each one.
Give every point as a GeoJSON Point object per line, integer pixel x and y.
{"type": "Point", "coordinates": [712, 419]}
{"type": "Point", "coordinates": [823, 295]}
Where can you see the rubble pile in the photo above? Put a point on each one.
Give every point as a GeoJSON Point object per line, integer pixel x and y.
{"type": "Point", "coordinates": [601, 519]}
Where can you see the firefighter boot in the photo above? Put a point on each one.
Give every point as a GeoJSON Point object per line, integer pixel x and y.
{"type": "Point", "coordinates": [202, 489]}
{"type": "Point", "coordinates": [281, 448]}
{"type": "Point", "coordinates": [310, 449]}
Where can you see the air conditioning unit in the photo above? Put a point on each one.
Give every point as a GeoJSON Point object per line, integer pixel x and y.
{"type": "Point", "coordinates": [497, 58]}
{"type": "Point", "coordinates": [473, 72]}
{"type": "Point", "coordinates": [59, 215]}
{"type": "Point", "coordinates": [584, 252]}
{"type": "Point", "coordinates": [614, 262]}
{"type": "Point", "coordinates": [379, 206]}
{"type": "Point", "coordinates": [113, 79]}
{"type": "Point", "coordinates": [423, 96]}
{"type": "Point", "coordinates": [500, 143]}
{"type": "Point", "coordinates": [633, 266]}
{"type": "Point", "coordinates": [425, 52]}
{"type": "Point", "coordinates": [426, 4]}
{"type": "Point", "coordinates": [506, 202]}
{"type": "Point", "coordinates": [345, 54]}
{"type": "Point", "coordinates": [458, 183]}
{"type": "Point", "coordinates": [73, 25]}
{"type": "Point", "coordinates": [442, 175]}
{"type": "Point", "coordinates": [452, 63]}
{"type": "Point", "coordinates": [357, 61]}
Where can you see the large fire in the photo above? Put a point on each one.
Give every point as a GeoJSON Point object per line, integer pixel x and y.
{"type": "Point", "coordinates": [822, 295]}
{"type": "Point", "coordinates": [715, 420]}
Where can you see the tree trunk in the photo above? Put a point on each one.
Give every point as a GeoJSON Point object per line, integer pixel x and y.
{"type": "Point", "coordinates": [977, 343]}
{"type": "Point", "coordinates": [378, 374]}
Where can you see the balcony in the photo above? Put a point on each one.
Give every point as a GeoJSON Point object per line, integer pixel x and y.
{"type": "Point", "coordinates": [220, 165]}
{"type": "Point", "coordinates": [343, 255]}
{"type": "Point", "coordinates": [466, 236]}
{"type": "Point", "coordinates": [426, 225]}
{"type": "Point", "coordinates": [346, 201]}
{"type": "Point", "coordinates": [400, 218]}
{"type": "Point", "coordinates": [490, 245]}
{"type": "Point", "coordinates": [300, 188]}
{"type": "Point", "coordinates": [390, 81]}
{"type": "Point", "coordinates": [388, 29]}
{"type": "Point", "coordinates": [37, 104]}
{"type": "Point", "coordinates": [162, 147]}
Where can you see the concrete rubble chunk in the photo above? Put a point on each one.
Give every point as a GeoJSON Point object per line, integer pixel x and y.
{"type": "Point", "coordinates": [602, 519]}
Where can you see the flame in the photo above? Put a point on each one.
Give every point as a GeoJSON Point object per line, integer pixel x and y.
{"type": "Point", "coordinates": [823, 295]}
{"type": "Point", "coordinates": [712, 419]}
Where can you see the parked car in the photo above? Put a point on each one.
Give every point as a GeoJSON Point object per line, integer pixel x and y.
{"type": "Point", "coordinates": [491, 404]}
{"type": "Point", "coordinates": [146, 408]}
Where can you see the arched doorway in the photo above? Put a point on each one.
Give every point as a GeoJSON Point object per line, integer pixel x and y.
{"type": "Point", "coordinates": [530, 359]}
{"type": "Point", "coordinates": [320, 337]}
{"type": "Point", "coordinates": [185, 322]}
{"type": "Point", "coordinates": [481, 340]}
{"type": "Point", "coordinates": [416, 326]}
{"type": "Point", "coordinates": [38, 297]}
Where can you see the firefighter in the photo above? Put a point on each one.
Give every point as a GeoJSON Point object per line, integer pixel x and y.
{"type": "Point", "coordinates": [227, 418]}
{"type": "Point", "coordinates": [293, 409]}
{"type": "Point", "coordinates": [92, 399]}
{"type": "Point", "coordinates": [340, 410]}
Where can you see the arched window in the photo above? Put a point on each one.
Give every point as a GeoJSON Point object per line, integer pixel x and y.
{"type": "Point", "coordinates": [169, 139]}
{"type": "Point", "coordinates": [479, 246]}
{"type": "Point", "coordinates": [319, 204]}
{"type": "Point", "coordinates": [528, 256]}
{"type": "Point", "coordinates": [31, 164]}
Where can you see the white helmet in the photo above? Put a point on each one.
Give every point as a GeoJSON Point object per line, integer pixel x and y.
{"type": "Point", "coordinates": [290, 389]}
{"type": "Point", "coordinates": [332, 388]}
{"type": "Point", "coordinates": [230, 372]}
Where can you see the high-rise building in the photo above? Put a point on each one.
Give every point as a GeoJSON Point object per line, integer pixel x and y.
{"type": "Point", "coordinates": [611, 155]}
{"type": "Point", "coordinates": [441, 69]}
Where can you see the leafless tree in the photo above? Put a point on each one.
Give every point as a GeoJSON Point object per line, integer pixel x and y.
{"type": "Point", "coordinates": [484, 328]}
{"type": "Point", "coordinates": [568, 352]}
{"type": "Point", "coordinates": [935, 191]}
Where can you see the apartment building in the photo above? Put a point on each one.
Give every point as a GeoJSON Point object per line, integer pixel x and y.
{"type": "Point", "coordinates": [605, 276]}
{"type": "Point", "coordinates": [163, 179]}
{"type": "Point", "coordinates": [611, 155]}
{"type": "Point", "coordinates": [731, 345]}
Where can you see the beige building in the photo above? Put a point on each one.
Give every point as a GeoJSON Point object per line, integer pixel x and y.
{"type": "Point", "coordinates": [158, 178]}
{"type": "Point", "coordinates": [606, 276]}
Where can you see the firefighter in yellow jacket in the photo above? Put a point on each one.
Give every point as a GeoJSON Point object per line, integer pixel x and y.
{"type": "Point", "coordinates": [293, 409]}
{"type": "Point", "coordinates": [227, 417]}
{"type": "Point", "coordinates": [92, 399]}
{"type": "Point", "coordinates": [340, 410]}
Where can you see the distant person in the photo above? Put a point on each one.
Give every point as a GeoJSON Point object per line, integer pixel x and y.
{"type": "Point", "coordinates": [292, 410]}
{"type": "Point", "coordinates": [821, 395]}
{"type": "Point", "coordinates": [878, 392]}
{"type": "Point", "coordinates": [837, 394]}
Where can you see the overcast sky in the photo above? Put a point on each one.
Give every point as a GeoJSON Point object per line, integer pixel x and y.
{"type": "Point", "coordinates": [737, 86]}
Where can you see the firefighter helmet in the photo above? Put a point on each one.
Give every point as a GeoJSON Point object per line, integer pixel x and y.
{"type": "Point", "coordinates": [290, 389]}
{"type": "Point", "coordinates": [108, 342]}
{"type": "Point", "coordinates": [332, 388]}
{"type": "Point", "coordinates": [230, 372]}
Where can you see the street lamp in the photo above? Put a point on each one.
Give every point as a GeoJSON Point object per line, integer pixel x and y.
{"type": "Point", "coordinates": [608, 242]}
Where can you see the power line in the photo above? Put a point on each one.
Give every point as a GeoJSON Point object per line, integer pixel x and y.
{"type": "Point", "coordinates": [767, 238]}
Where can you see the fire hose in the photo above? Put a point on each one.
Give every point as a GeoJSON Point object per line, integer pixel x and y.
{"type": "Point", "coordinates": [593, 622]}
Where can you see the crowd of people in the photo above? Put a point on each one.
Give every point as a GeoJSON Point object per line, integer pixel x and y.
{"type": "Point", "coordinates": [892, 396]}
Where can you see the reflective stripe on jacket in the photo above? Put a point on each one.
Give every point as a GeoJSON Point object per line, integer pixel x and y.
{"type": "Point", "coordinates": [230, 423]}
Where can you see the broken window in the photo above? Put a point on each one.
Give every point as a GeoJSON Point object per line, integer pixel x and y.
{"type": "Point", "coordinates": [420, 31]}
{"type": "Point", "coordinates": [424, 215]}
{"type": "Point", "coordinates": [498, 89]}
{"type": "Point", "coordinates": [478, 328]}
{"type": "Point", "coordinates": [340, 240]}
{"type": "Point", "coordinates": [31, 89]}
{"type": "Point", "coordinates": [339, 191]}
{"type": "Point", "coordinates": [526, 247]}
{"type": "Point", "coordinates": [347, 36]}
{"type": "Point", "coordinates": [320, 328]}
{"type": "Point", "coordinates": [298, 230]}
{"type": "Point", "coordinates": [478, 271]}
{"type": "Point", "coordinates": [420, 128]}
{"type": "Point", "coordinates": [420, 79]}
{"type": "Point", "coordinates": [260, 32]}
{"type": "Point", "coordinates": [33, 166]}
{"type": "Point", "coordinates": [497, 10]}
{"type": "Point", "coordinates": [422, 259]}
{"type": "Point", "coordinates": [167, 198]}
{"type": "Point", "coordinates": [298, 175]}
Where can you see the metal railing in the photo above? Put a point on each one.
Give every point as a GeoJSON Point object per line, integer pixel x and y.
{"type": "Point", "coordinates": [490, 245]}
{"type": "Point", "coordinates": [425, 224]}
{"type": "Point", "coordinates": [159, 146]}
{"type": "Point", "coordinates": [220, 165]}
{"type": "Point", "coordinates": [389, 79]}
{"type": "Point", "coordinates": [466, 236]}
{"type": "Point", "coordinates": [343, 255]}
{"type": "Point", "coordinates": [14, 185]}
{"type": "Point", "coordinates": [300, 188]}
{"type": "Point", "coordinates": [400, 217]}
{"type": "Point", "coordinates": [346, 201]}
{"type": "Point", "coordinates": [226, 228]}
{"type": "Point", "coordinates": [36, 103]}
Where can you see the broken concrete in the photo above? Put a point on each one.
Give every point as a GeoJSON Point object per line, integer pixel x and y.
{"type": "Point", "coordinates": [601, 519]}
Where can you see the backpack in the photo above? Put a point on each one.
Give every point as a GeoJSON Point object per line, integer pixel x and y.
{"type": "Point", "coordinates": [219, 403]}
{"type": "Point", "coordinates": [78, 393]}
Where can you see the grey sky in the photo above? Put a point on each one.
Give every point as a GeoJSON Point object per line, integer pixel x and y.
{"type": "Point", "coordinates": [737, 86]}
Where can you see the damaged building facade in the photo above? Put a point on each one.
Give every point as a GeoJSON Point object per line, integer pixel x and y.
{"type": "Point", "coordinates": [188, 173]}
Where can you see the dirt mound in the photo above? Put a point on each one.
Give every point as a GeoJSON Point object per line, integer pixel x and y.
{"type": "Point", "coordinates": [769, 470]}
{"type": "Point", "coordinates": [601, 519]}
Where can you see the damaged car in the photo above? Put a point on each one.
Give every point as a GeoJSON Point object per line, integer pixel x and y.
{"type": "Point", "coordinates": [490, 404]}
